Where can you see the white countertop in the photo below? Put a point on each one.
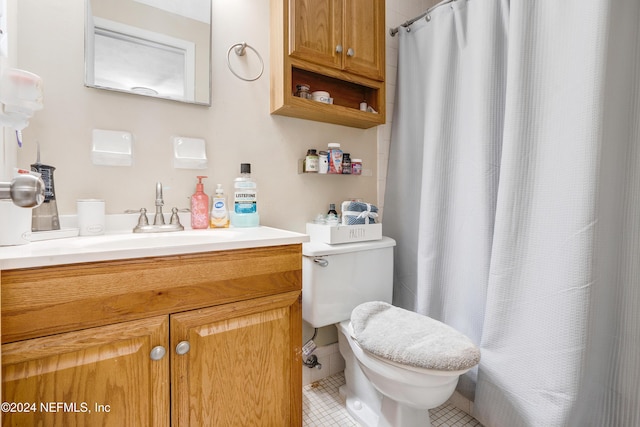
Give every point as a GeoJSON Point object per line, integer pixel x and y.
{"type": "Point", "coordinates": [115, 246]}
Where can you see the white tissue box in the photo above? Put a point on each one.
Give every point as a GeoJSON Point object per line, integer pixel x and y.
{"type": "Point", "coordinates": [337, 234]}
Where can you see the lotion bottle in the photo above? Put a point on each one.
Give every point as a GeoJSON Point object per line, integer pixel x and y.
{"type": "Point", "coordinates": [200, 207]}
{"type": "Point", "coordinates": [219, 213]}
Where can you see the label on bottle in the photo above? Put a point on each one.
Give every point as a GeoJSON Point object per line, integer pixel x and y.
{"type": "Point", "coordinates": [199, 214]}
{"type": "Point", "coordinates": [323, 160]}
{"type": "Point", "coordinates": [219, 216]}
{"type": "Point", "coordinates": [335, 161]}
{"type": "Point", "coordinates": [245, 201]}
{"type": "Point", "coordinates": [218, 205]}
{"type": "Point", "coordinates": [311, 164]}
{"type": "Point", "coordinates": [356, 168]}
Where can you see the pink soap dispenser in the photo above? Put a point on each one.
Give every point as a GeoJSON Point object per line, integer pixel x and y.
{"type": "Point", "coordinates": [200, 206]}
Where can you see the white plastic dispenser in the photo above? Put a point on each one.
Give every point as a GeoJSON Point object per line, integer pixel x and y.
{"type": "Point", "coordinates": [21, 96]}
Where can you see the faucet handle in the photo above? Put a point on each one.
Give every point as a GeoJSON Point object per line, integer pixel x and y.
{"type": "Point", "coordinates": [142, 219]}
{"type": "Point", "coordinates": [175, 219]}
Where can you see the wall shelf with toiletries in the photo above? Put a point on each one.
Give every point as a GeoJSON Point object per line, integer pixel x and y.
{"type": "Point", "coordinates": [333, 161]}
{"type": "Point", "coordinates": [301, 171]}
{"type": "Point", "coordinates": [350, 78]}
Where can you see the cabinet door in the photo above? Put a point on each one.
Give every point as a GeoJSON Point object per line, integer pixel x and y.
{"type": "Point", "coordinates": [242, 365]}
{"type": "Point", "coordinates": [364, 38]}
{"type": "Point", "coordinates": [100, 376]}
{"type": "Point", "coordinates": [316, 31]}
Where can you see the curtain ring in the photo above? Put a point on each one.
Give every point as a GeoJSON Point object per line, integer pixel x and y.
{"type": "Point", "coordinates": [240, 50]}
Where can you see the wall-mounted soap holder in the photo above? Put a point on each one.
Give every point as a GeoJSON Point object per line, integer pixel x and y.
{"type": "Point", "coordinates": [189, 153]}
{"type": "Point", "coordinates": [111, 148]}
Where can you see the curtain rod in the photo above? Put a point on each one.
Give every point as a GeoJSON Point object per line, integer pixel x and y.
{"type": "Point", "coordinates": [394, 31]}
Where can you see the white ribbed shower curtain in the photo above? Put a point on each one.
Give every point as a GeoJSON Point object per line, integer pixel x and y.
{"type": "Point", "coordinates": [516, 133]}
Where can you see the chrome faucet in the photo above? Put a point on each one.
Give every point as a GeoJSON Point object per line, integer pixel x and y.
{"type": "Point", "coordinates": [158, 220]}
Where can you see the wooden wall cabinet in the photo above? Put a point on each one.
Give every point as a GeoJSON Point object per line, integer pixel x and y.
{"type": "Point", "coordinates": [333, 45]}
{"type": "Point", "coordinates": [87, 341]}
{"type": "Point", "coordinates": [342, 34]}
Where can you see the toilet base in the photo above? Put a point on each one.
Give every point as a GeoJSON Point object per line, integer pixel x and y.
{"type": "Point", "coordinates": [358, 410]}
{"type": "Point", "coordinates": [368, 406]}
{"type": "Point", "coordinates": [393, 414]}
{"type": "Point", "coordinates": [361, 399]}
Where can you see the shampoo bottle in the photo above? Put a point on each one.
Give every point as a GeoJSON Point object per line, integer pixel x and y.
{"type": "Point", "coordinates": [200, 207]}
{"type": "Point", "coordinates": [219, 214]}
{"type": "Point", "coordinates": [245, 201]}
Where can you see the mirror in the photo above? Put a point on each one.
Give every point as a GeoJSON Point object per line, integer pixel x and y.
{"type": "Point", "coordinates": [158, 48]}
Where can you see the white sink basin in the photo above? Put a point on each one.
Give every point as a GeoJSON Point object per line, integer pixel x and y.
{"type": "Point", "coordinates": [154, 240]}
{"type": "Point", "coordinates": [128, 245]}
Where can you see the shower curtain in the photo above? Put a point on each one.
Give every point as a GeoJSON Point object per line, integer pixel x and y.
{"type": "Point", "coordinates": [513, 192]}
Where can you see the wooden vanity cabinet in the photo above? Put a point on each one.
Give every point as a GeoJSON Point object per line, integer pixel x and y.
{"type": "Point", "coordinates": [336, 46]}
{"type": "Point", "coordinates": [99, 376]}
{"type": "Point", "coordinates": [81, 342]}
{"type": "Point", "coordinates": [237, 371]}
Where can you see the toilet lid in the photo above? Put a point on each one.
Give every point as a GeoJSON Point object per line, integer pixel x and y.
{"type": "Point", "coordinates": [410, 338]}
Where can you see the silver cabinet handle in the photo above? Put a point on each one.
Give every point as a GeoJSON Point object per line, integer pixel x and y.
{"type": "Point", "coordinates": [322, 262]}
{"type": "Point", "coordinates": [350, 52]}
{"type": "Point", "coordinates": [157, 352]}
{"type": "Point", "coordinates": [339, 48]}
{"type": "Point", "coordinates": [183, 347]}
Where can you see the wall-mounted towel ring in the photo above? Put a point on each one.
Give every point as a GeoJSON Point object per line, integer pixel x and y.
{"type": "Point", "coordinates": [240, 50]}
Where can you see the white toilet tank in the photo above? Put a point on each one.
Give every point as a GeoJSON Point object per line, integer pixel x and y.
{"type": "Point", "coordinates": [337, 278]}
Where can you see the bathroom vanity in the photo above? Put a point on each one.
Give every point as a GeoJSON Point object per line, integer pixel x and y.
{"type": "Point", "coordinates": [207, 333]}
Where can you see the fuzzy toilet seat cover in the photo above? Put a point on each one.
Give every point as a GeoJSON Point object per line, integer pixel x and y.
{"type": "Point", "coordinates": [410, 338]}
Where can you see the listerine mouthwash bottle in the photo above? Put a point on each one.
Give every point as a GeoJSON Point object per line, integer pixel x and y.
{"type": "Point", "coordinates": [245, 199]}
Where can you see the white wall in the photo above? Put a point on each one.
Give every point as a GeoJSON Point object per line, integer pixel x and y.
{"type": "Point", "coordinates": [237, 127]}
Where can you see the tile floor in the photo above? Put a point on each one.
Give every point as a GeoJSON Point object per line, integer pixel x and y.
{"type": "Point", "coordinates": [322, 406]}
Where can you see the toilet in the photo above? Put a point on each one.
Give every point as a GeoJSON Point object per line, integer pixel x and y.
{"type": "Point", "coordinates": [398, 364]}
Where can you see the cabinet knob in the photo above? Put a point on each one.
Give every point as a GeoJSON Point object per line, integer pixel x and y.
{"type": "Point", "coordinates": [339, 48]}
{"type": "Point", "coordinates": [157, 352]}
{"type": "Point", "coordinates": [183, 347]}
{"type": "Point", "coordinates": [350, 52]}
